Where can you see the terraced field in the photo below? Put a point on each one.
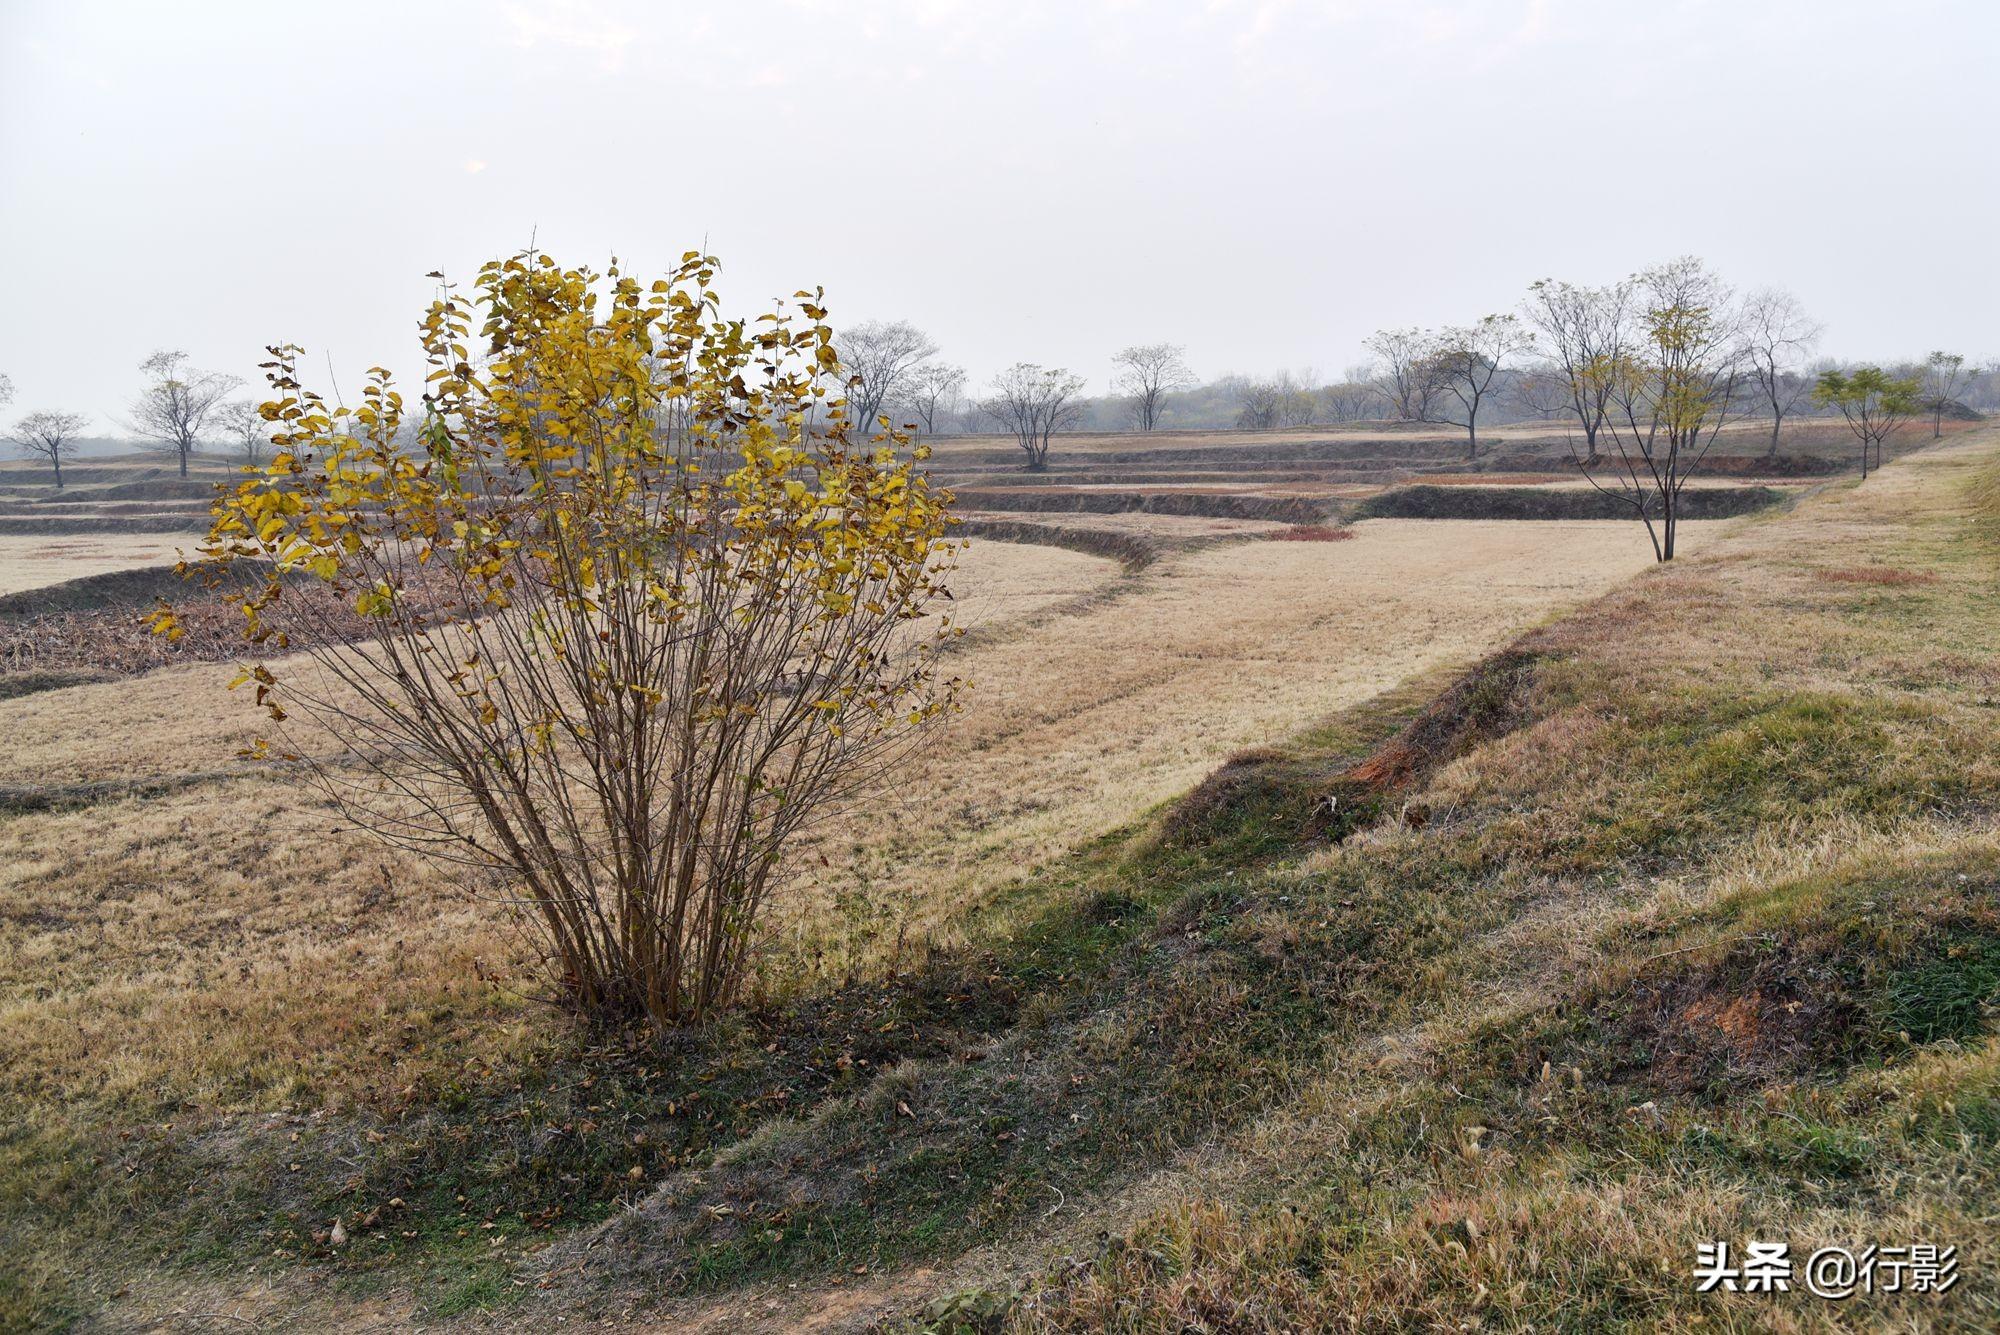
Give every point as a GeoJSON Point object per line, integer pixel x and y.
{"type": "Point", "coordinates": [1314, 476]}
{"type": "Point", "coordinates": [190, 952]}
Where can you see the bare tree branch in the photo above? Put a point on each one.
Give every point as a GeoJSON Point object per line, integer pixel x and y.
{"type": "Point", "coordinates": [932, 392]}
{"type": "Point", "coordinates": [48, 435]}
{"type": "Point", "coordinates": [1465, 360]}
{"type": "Point", "coordinates": [1669, 393]}
{"type": "Point", "coordinates": [1407, 377]}
{"type": "Point", "coordinates": [1148, 373]}
{"type": "Point", "coordinates": [1777, 335]}
{"type": "Point", "coordinates": [1943, 375]}
{"type": "Point", "coordinates": [877, 356]}
{"type": "Point", "coordinates": [1034, 403]}
{"type": "Point", "coordinates": [175, 408]}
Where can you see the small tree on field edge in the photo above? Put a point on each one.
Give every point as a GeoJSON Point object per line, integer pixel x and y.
{"type": "Point", "coordinates": [49, 436]}
{"type": "Point", "coordinates": [1464, 362]}
{"type": "Point", "coordinates": [1034, 403]}
{"type": "Point", "coordinates": [1777, 333]}
{"type": "Point", "coordinates": [177, 403]}
{"type": "Point", "coordinates": [632, 615]}
{"type": "Point", "coordinates": [880, 357]}
{"type": "Point", "coordinates": [1585, 330]}
{"type": "Point", "coordinates": [1942, 377]}
{"type": "Point", "coordinates": [1408, 379]}
{"type": "Point", "coordinates": [1147, 373]}
{"type": "Point", "coordinates": [1669, 393]}
{"type": "Point", "coordinates": [248, 435]}
{"type": "Point", "coordinates": [931, 392]}
{"type": "Point", "coordinates": [1874, 403]}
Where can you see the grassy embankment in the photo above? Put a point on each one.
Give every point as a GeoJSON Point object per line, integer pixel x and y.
{"type": "Point", "coordinates": [1701, 942]}
{"type": "Point", "coordinates": [1679, 921]}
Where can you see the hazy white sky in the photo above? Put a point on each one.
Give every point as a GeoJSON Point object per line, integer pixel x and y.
{"type": "Point", "coordinates": [1265, 182]}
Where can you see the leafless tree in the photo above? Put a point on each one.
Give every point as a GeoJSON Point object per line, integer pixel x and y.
{"type": "Point", "coordinates": [244, 427]}
{"type": "Point", "coordinates": [1465, 361]}
{"type": "Point", "coordinates": [6, 390]}
{"type": "Point", "coordinates": [1941, 378]}
{"type": "Point", "coordinates": [1670, 392]}
{"type": "Point", "coordinates": [931, 393]}
{"type": "Point", "coordinates": [1034, 403]}
{"type": "Point", "coordinates": [1298, 397]}
{"type": "Point", "coordinates": [1406, 376]}
{"type": "Point", "coordinates": [176, 407]}
{"type": "Point", "coordinates": [877, 356]}
{"type": "Point", "coordinates": [48, 436]}
{"type": "Point", "coordinates": [1983, 390]}
{"type": "Point", "coordinates": [1543, 390]}
{"type": "Point", "coordinates": [1147, 373]}
{"type": "Point", "coordinates": [1777, 335]}
{"type": "Point", "coordinates": [1354, 399]}
{"type": "Point", "coordinates": [1584, 329]}
{"type": "Point", "coordinates": [1258, 403]}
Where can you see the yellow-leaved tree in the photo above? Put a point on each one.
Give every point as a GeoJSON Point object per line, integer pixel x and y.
{"type": "Point", "coordinates": [609, 619]}
{"type": "Point", "coordinates": [1666, 387]}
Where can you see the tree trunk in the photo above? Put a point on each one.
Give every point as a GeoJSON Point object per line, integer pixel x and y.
{"type": "Point", "coordinates": [1777, 420]}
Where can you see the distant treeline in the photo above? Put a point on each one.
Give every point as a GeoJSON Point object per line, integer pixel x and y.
{"type": "Point", "coordinates": [1566, 352]}
{"type": "Point", "coordinates": [1298, 398]}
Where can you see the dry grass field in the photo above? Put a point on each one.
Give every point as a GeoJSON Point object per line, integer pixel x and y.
{"type": "Point", "coordinates": [184, 902]}
{"type": "Point", "coordinates": [35, 562]}
{"type": "Point", "coordinates": [952, 448]}
{"type": "Point", "coordinates": [182, 928]}
{"type": "Point", "coordinates": [1167, 529]}
{"type": "Point", "coordinates": [1557, 480]}
{"type": "Point", "coordinates": [1723, 959]}
{"type": "Point", "coordinates": [1246, 717]}
{"type": "Point", "coordinates": [1407, 441]}
{"type": "Point", "coordinates": [1079, 724]}
{"type": "Point", "coordinates": [1311, 475]}
{"type": "Point", "coordinates": [203, 992]}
